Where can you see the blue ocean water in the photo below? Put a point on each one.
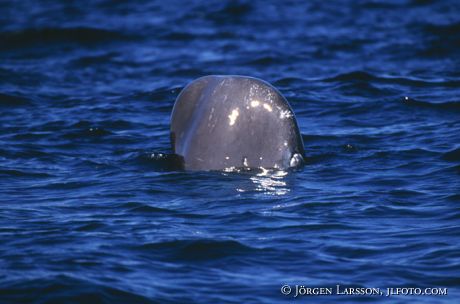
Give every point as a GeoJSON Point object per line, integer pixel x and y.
{"type": "Point", "coordinates": [93, 212]}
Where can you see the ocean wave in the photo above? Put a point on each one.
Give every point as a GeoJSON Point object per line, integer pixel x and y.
{"type": "Point", "coordinates": [323, 227]}
{"type": "Point", "coordinates": [438, 40]}
{"type": "Point", "coordinates": [8, 100]}
{"type": "Point", "coordinates": [199, 250]}
{"type": "Point", "coordinates": [26, 152]}
{"type": "Point", "coordinates": [33, 37]}
{"type": "Point", "coordinates": [226, 11]}
{"type": "Point", "coordinates": [452, 155]}
{"type": "Point", "coordinates": [144, 208]}
{"type": "Point", "coordinates": [85, 134]}
{"type": "Point", "coordinates": [159, 161]}
{"type": "Point", "coordinates": [396, 211]}
{"type": "Point", "coordinates": [448, 31]}
{"type": "Point", "coordinates": [23, 173]}
{"type": "Point", "coordinates": [90, 61]}
{"type": "Point", "coordinates": [65, 289]}
{"type": "Point", "coordinates": [289, 82]}
{"type": "Point", "coordinates": [446, 105]}
{"type": "Point", "coordinates": [67, 185]}
{"type": "Point", "coordinates": [362, 76]}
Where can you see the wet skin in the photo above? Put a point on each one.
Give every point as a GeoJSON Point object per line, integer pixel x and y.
{"type": "Point", "coordinates": [222, 122]}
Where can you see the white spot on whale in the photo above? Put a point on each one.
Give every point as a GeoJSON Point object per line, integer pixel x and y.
{"type": "Point", "coordinates": [296, 160]}
{"type": "Point", "coordinates": [233, 116]}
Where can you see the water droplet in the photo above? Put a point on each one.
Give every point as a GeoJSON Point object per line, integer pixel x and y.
{"type": "Point", "coordinates": [296, 160]}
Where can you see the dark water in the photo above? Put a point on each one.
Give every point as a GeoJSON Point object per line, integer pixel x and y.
{"type": "Point", "coordinates": [92, 212]}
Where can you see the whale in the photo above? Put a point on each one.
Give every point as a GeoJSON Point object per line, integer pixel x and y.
{"type": "Point", "coordinates": [224, 122]}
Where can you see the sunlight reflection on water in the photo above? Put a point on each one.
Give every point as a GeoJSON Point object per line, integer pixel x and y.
{"type": "Point", "coordinates": [268, 182]}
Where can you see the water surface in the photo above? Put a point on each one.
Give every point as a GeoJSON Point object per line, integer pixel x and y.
{"type": "Point", "coordinates": [92, 212]}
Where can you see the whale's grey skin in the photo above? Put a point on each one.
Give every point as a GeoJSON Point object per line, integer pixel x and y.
{"type": "Point", "coordinates": [222, 122]}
